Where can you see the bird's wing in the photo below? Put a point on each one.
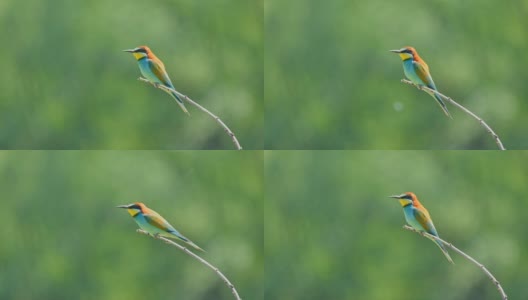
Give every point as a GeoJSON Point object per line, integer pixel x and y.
{"type": "Point", "coordinates": [158, 69]}
{"type": "Point", "coordinates": [422, 70]}
{"type": "Point", "coordinates": [425, 220]}
{"type": "Point", "coordinates": [158, 221]}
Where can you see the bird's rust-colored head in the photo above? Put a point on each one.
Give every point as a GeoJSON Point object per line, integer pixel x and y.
{"type": "Point", "coordinates": [134, 208]}
{"type": "Point", "coordinates": [406, 199]}
{"type": "Point", "coordinates": [140, 52]}
{"type": "Point", "coordinates": [406, 53]}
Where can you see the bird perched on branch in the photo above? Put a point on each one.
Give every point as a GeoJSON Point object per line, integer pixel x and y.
{"type": "Point", "coordinates": [153, 69]}
{"type": "Point", "coordinates": [153, 223]}
{"type": "Point", "coordinates": [418, 217]}
{"type": "Point", "coordinates": [417, 71]}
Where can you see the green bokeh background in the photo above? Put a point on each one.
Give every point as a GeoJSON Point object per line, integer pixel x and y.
{"type": "Point", "coordinates": [332, 233]}
{"type": "Point", "coordinates": [63, 238]}
{"type": "Point", "coordinates": [66, 84]}
{"type": "Point", "coordinates": [331, 83]}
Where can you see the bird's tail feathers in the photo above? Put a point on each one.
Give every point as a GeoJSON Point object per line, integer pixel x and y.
{"type": "Point", "coordinates": [177, 235]}
{"type": "Point", "coordinates": [195, 246]}
{"type": "Point", "coordinates": [441, 103]}
{"type": "Point", "coordinates": [444, 250]}
{"type": "Point", "coordinates": [180, 103]}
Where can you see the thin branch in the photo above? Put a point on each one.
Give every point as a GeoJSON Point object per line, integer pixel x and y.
{"type": "Point", "coordinates": [486, 126]}
{"type": "Point", "coordinates": [217, 119]}
{"type": "Point", "coordinates": [203, 261]}
{"type": "Point", "coordinates": [471, 259]}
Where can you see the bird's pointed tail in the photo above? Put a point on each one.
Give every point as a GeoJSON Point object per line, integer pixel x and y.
{"type": "Point", "coordinates": [190, 243]}
{"type": "Point", "coordinates": [180, 103]}
{"type": "Point", "coordinates": [442, 104]}
{"type": "Point", "coordinates": [444, 250]}
{"type": "Point", "coordinates": [176, 234]}
{"type": "Point", "coordinates": [194, 245]}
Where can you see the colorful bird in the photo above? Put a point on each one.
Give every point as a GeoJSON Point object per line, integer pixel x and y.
{"type": "Point", "coordinates": [417, 71]}
{"type": "Point", "coordinates": [153, 223]}
{"type": "Point", "coordinates": [153, 69]}
{"type": "Point", "coordinates": [418, 217]}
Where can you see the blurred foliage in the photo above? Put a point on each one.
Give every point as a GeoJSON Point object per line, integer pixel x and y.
{"type": "Point", "coordinates": [331, 82]}
{"type": "Point", "coordinates": [63, 238]}
{"type": "Point", "coordinates": [331, 232]}
{"type": "Point", "coordinates": [67, 84]}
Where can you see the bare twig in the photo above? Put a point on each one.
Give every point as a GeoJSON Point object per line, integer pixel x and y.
{"type": "Point", "coordinates": [203, 261]}
{"type": "Point", "coordinates": [486, 126]}
{"type": "Point", "coordinates": [471, 259]}
{"type": "Point", "coordinates": [217, 119]}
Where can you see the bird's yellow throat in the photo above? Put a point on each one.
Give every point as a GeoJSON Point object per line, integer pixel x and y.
{"type": "Point", "coordinates": [405, 202]}
{"type": "Point", "coordinates": [139, 55]}
{"type": "Point", "coordinates": [133, 212]}
{"type": "Point", "coordinates": [404, 56]}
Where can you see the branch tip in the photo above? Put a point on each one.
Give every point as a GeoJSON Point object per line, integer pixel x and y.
{"type": "Point", "coordinates": [216, 118]}
{"type": "Point", "coordinates": [471, 259]}
{"type": "Point", "coordinates": [195, 256]}
{"type": "Point", "coordinates": [450, 100]}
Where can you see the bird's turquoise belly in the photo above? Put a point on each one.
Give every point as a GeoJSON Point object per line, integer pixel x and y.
{"type": "Point", "coordinates": [143, 224]}
{"type": "Point", "coordinates": [410, 72]}
{"type": "Point", "coordinates": [411, 220]}
{"type": "Point", "coordinates": [145, 70]}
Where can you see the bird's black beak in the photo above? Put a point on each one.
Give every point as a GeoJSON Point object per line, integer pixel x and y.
{"type": "Point", "coordinates": [395, 51]}
{"type": "Point", "coordinates": [130, 50]}
{"type": "Point", "coordinates": [396, 196]}
{"type": "Point", "coordinates": [123, 206]}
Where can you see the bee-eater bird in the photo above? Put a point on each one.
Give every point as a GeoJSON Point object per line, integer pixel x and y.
{"type": "Point", "coordinates": [417, 71]}
{"type": "Point", "coordinates": [418, 217]}
{"type": "Point", "coordinates": [153, 223]}
{"type": "Point", "coordinates": [153, 69]}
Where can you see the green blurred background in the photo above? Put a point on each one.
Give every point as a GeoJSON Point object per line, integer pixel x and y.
{"type": "Point", "coordinates": [331, 82]}
{"type": "Point", "coordinates": [332, 233]}
{"type": "Point", "coordinates": [63, 238]}
{"type": "Point", "coordinates": [67, 84]}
